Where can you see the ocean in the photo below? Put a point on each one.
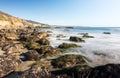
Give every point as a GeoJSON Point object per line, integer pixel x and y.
{"type": "Point", "coordinates": [100, 50]}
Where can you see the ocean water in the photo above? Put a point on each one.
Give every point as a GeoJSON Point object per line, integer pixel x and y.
{"type": "Point", "coordinates": [103, 49]}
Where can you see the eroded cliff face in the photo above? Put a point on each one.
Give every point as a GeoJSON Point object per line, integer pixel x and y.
{"type": "Point", "coordinates": [8, 21]}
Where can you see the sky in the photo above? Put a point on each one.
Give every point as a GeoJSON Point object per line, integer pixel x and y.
{"type": "Point", "coordinates": [66, 12]}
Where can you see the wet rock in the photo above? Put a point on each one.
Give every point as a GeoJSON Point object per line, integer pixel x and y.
{"type": "Point", "coordinates": [60, 36]}
{"type": "Point", "coordinates": [100, 54]}
{"type": "Point", "coordinates": [77, 71]}
{"type": "Point", "coordinates": [86, 35]}
{"type": "Point", "coordinates": [67, 45]}
{"type": "Point", "coordinates": [68, 61]}
{"type": "Point", "coordinates": [106, 33]}
{"type": "Point", "coordinates": [69, 27]}
{"type": "Point", "coordinates": [76, 39]}
{"type": "Point", "coordinates": [8, 64]}
{"type": "Point", "coordinates": [105, 71]}
{"type": "Point", "coordinates": [31, 55]}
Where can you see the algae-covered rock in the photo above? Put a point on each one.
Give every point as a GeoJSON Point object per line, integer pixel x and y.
{"type": "Point", "coordinates": [67, 45]}
{"type": "Point", "coordinates": [76, 39]}
{"type": "Point", "coordinates": [44, 49]}
{"type": "Point", "coordinates": [43, 42]}
{"type": "Point", "coordinates": [68, 60]}
{"type": "Point", "coordinates": [33, 45]}
{"type": "Point", "coordinates": [86, 35]}
{"type": "Point", "coordinates": [52, 53]}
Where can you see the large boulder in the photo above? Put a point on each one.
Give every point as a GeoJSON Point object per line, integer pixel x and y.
{"type": "Point", "coordinates": [76, 39]}
{"type": "Point", "coordinates": [105, 71]}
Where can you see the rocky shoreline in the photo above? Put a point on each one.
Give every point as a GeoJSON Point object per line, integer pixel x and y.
{"type": "Point", "coordinates": [26, 53]}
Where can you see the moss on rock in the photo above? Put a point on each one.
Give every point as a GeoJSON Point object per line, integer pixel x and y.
{"type": "Point", "coordinates": [32, 45]}
{"type": "Point", "coordinates": [76, 39]}
{"type": "Point", "coordinates": [67, 45]}
{"type": "Point", "coordinates": [67, 61]}
{"type": "Point", "coordinates": [86, 35]}
{"type": "Point", "coordinates": [43, 41]}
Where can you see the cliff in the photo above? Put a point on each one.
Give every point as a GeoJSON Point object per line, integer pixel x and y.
{"type": "Point", "coordinates": [9, 21]}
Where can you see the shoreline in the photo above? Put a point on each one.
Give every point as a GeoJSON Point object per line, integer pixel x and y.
{"type": "Point", "coordinates": [35, 45]}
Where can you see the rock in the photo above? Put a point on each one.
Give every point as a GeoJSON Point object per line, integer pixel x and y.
{"type": "Point", "coordinates": [52, 53]}
{"type": "Point", "coordinates": [86, 35]}
{"type": "Point", "coordinates": [60, 36]}
{"type": "Point", "coordinates": [1, 52]}
{"type": "Point", "coordinates": [71, 72]}
{"type": "Point", "coordinates": [49, 32]}
{"type": "Point", "coordinates": [100, 54]}
{"type": "Point", "coordinates": [76, 39]}
{"type": "Point", "coordinates": [48, 51]}
{"type": "Point", "coordinates": [31, 55]}
{"type": "Point", "coordinates": [32, 45]}
{"type": "Point", "coordinates": [106, 33]}
{"type": "Point", "coordinates": [44, 49]}
{"type": "Point", "coordinates": [105, 71]}
{"type": "Point", "coordinates": [14, 48]}
{"type": "Point", "coordinates": [43, 41]}
{"type": "Point", "coordinates": [68, 61]}
{"type": "Point", "coordinates": [8, 64]}
{"type": "Point", "coordinates": [67, 45]}
{"type": "Point", "coordinates": [36, 71]}
{"type": "Point", "coordinates": [42, 35]}
{"type": "Point", "coordinates": [69, 27]}
{"type": "Point", "coordinates": [27, 38]}
{"type": "Point", "coordinates": [11, 36]}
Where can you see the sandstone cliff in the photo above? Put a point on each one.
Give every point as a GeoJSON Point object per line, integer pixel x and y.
{"type": "Point", "coordinates": [8, 21]}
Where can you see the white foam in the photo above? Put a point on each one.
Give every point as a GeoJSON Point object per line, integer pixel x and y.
{"type": "Point", "coordinates": [102, 43]}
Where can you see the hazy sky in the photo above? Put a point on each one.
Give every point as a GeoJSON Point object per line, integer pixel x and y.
{"type": "Point", "coordinates": [66, 12]}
